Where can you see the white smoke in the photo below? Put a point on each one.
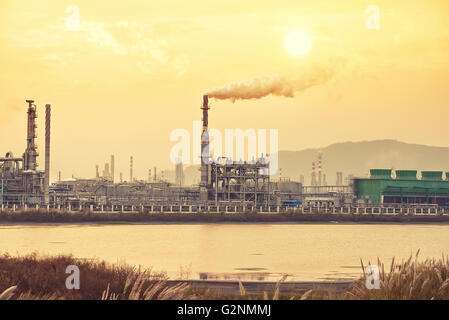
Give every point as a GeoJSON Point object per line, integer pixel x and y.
{"type": "Point", "coordinates": [286, 86]}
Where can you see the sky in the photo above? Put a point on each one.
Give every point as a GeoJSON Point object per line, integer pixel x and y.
{"type": "Point", "coordinates": [129, 73]}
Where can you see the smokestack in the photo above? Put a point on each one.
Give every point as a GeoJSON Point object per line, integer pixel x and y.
{"type": "Point", "coordinates": [204, 184]}
{"type": "Point", "coordinates": [30, 155]}
{"type": "Point", "coordinates": [205, 107]}
{"type": "Point", "coordinates": [106, 173]}
{"type": "Point", "coordinates": [313, 180]}
{"type": "Point", "coordinates": [47, 152]}
{"type": "Point", "coordinates": [112, 168]}
{"type": "Point", "coordinates": [339, 178]}
{"type": "Point", "coordinates": [131, 169]}
{"type": "Point", "coordinates": [121, 177]}
{"type": "Point", "coordinates": [155, 174]}
{"type": "Point", "coordinates": [97, 171]}
{"type": "Point", "coordinates": [179, 173]}
{"type": "Point", "coordinates": [319, 168]}
{"type": "Point", "coordinates": [149, 175]}
{"type": "Point", "coordinates": [59, 176]}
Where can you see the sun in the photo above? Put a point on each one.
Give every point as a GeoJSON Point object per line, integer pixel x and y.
{"type": "Point", "coordinates": [297, 43]}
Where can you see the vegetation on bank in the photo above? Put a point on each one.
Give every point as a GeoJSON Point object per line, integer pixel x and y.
{"type": "Point", "coordinates": [51, 216]}
{"type": "Point", "coordinates": [408, 280]}
{"type": "Point", "coordinates": [34, 277]}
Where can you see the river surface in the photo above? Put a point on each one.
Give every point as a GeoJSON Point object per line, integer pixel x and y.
{"type": "Point", "coordinates": [306, 252]}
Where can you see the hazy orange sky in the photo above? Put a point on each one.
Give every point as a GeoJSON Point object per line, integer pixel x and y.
{"type": "Point", "coordinates": [136, 70]}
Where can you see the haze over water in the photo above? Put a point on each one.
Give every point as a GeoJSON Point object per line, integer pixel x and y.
{"type": "Point", "coordinates": [255, 251]}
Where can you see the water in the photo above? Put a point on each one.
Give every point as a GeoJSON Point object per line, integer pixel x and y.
{"type": "Point", "coordinates": [230, 251]}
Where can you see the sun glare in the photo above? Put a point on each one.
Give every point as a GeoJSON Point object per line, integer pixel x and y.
{"type": "Point", "coordinates": [297, 43]}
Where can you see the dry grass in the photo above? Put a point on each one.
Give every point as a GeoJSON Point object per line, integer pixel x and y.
{"type": "Point", "coordinates": [40, 277]}
{"type": "Point", "coordinates": [11, 293]}
{"type": "Point", "coordinates": [409, 280]}
{"type": "Point", "coordinates": [143, 287]}
{"type": "Point", "coordinates": [43, 278]}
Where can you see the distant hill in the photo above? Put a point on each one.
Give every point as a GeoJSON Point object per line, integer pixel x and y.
{"type": "Point", "coordinates": [358, 157]}
{"type": "Point", "coordinates": [354, 158]}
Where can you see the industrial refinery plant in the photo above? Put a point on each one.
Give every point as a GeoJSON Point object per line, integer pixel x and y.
{"type": "Point", "coordinates": [225, 185]}
{"type": "Point", "coordinates": [21, 181]}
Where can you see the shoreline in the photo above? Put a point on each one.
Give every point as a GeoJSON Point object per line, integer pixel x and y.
{"type": "Point", "coordinates": [55, 217]}
{"type": "Point", "coordinates": [143, 223]}
{"type": "Point", "coordinates": [232, 287]}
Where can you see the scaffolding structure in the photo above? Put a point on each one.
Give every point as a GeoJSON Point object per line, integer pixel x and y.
{"type": "Point", "coordinates": [241, 182]}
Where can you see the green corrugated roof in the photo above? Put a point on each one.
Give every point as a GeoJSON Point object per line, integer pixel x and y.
{"type": "Point", "coordinates": [432, 175]}
{"type": "Point", "coordinates": [406, 174]}
{"type": "Point", "coordinates": [380, 173]}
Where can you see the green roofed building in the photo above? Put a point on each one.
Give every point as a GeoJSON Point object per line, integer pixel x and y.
{"type": "Point", "coordinates": [382, 188]}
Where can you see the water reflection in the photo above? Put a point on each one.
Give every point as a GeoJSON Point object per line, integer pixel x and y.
{"type": "Point", "coordinates": [259, 252]}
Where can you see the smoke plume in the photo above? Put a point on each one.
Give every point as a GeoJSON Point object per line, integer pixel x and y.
{"type": "Point", "coordinates": [286, 86]}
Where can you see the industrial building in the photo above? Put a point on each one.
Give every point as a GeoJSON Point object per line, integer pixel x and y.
{"type": "Point", "coordinates": [225, 185]}
{"type": "Point", "coordinates": [21, 181]}
{"type": "Point", "coordinates": [404, 188]}
{"type": "Point", "coordinates": [228, 182]}
{"type": "Point", "coordinates": [232, 181]}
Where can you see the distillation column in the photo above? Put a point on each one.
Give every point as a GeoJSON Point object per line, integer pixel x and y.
{"type": "Point", "coordinates": [205, 166]}
{"type": "Point", "coordinates": [112, 168]}
{"type": "Point", "coordinates": [131, 178]}
{"type": "Point", "coordinates": [30, 155]}
{"type": "Point", "coordinates": [47, 153]}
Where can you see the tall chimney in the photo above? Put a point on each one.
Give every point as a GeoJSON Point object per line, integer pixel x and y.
{"type": "Point", "coordinates": [112, 168]}
{"type": "Point", "coordinates": [131, 169]}
{"type": "Point", "coordinates": [30, 155]}
{"type": "Point", "coordinates": [320, 156]}
{"type": "Point", "coordinates": [47, 153]}
{"type": "Point", "coordinates": [106, 173]}
{"type": "Point", "coordinates": [313, 179]}
{"type": "Point", "coordinates": [204, 184]}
